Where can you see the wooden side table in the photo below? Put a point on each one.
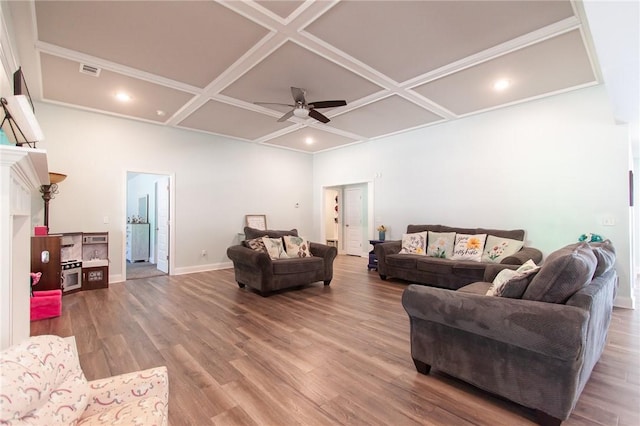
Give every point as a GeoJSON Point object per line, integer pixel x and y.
{"type": "Point", "coordinates": [373, 260]}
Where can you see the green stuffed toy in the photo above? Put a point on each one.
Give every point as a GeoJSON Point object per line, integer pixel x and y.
{"type": "Point", "coordinates": [591, 238]}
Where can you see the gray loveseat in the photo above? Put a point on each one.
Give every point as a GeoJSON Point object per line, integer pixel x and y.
{"type": "Point", "coordinates": [257, 270]}
{"type": "Point", "coordinates": [446, 273]}
{"type": "Point", "coordinates": [537, 351]}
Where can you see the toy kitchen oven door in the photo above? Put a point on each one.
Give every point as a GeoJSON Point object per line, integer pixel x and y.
{"type": "Point", "coordinates": [71, 261]}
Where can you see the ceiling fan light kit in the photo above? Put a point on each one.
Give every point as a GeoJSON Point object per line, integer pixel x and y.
{"type": "Point", "coordinates": [301, 112]}
{"type": "Point", "coordinates": [302, 109]}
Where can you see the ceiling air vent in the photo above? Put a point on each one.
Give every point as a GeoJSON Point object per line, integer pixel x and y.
{"type": "Point", "coordinates": [90, 70]}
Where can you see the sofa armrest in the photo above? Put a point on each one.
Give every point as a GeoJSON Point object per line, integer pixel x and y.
{"type": "Point", "coordinates": [107, 393]}
{"type": "Point", "coordinates": [382, 250]}
{"type": "Point", "coordinates": [322, 250]}
{"type": "Point", "coordinates": [248, 257]}
{"type": "Point", "coordinates": [522, 256]}
{"type": "Point", "coordinates": [329, 253]}
{"type": "Point", "coordinates": [554, 330]}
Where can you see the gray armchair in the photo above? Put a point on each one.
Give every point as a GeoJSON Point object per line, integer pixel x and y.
{"type": "Point", "coordinates": [257, 270]}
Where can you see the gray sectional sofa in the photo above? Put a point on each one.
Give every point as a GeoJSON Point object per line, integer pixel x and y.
{"type": "Point", "coordinates": [537, 351]}
{"type": "Point", "coordinates": [446, 273]}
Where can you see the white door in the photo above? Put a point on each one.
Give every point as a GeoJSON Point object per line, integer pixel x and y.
{"type": "Point", "coordinates": [162, 224]}
{"type": "Point", "coordinates": [353, 221]}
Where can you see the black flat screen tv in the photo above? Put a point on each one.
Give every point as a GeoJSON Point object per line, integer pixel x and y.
{"type": "Point", "coordinates": [20, 86]}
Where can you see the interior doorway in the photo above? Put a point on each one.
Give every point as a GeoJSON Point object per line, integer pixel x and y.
{"type": "Point", "coordinates": [147, 235]}
{"type": "Point", "coordinates": [347, 217]}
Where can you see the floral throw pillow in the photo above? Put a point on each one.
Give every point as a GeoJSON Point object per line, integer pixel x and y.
{"type": "Point", "coordinates": [414, 243]}
{"type": "Point", "coordinates": [256, 244]}
{"type": "Point", "coordinates": [275, 248]}
{"type": "Point", "coordinates": [469, 247]}
{"type": "Point", "coordinates": [296, 246]}
{"type": "Point", "coordinates": [441, 244]}
{"type": "Point", "coordinates": [498, 248]}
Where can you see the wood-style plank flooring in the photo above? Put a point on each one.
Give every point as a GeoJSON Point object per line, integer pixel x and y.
{"type": "Point", "coordinates": [336, 355]}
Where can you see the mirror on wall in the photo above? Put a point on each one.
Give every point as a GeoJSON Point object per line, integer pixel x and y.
{"type": "Point", "coordinates": [143, 208]}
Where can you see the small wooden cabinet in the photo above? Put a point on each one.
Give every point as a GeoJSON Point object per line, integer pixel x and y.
{"type": "Point", "coordinates": [95, 277]}
{"type": "Point", "coordinates": [45, 258]}
{"type": "Point", "coordinates": [138, 242]}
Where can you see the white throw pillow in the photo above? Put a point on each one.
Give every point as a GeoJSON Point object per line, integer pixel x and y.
{"type": "Point", "coordinates": [414, 243]}
{"type": "Point", "coordinates": [469, 247]}
{"type": "Point", "coordinates": [498, 248]}
{"type": "Point", "coordinates": [441, 244]}
{"type": "Point", "coordinates": [504, 277]}
{"type": "Point", "coordinates": [275, 248]}
{"type": "Point", "coordinates": [296, 246]}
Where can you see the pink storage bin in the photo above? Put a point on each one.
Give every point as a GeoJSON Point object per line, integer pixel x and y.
{"type": "Point", "coordinates": [46, 304]}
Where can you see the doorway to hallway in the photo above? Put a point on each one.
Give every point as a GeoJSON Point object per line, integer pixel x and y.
{"type": "Point", "coordinates": [147, 235]}
{"type": "Point", "coordinates": [347, 217]}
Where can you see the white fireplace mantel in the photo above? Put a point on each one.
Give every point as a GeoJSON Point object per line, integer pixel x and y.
{"type": "Point", "coordinates": [22, 171]}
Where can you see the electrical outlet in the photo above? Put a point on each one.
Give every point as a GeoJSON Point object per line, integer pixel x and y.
{"type": "Point", "coordinates": [608, 221]}
{"type": "Point", "coordinates": [203, 253]}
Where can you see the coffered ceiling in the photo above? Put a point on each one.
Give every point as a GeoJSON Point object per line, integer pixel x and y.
{"type": "Point", "coordinates": [399, 65]}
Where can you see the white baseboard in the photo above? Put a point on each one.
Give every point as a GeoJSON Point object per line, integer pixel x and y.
{"type": "Point", "coordinates": [202, 268]}
{"type": "Point", "coordinates": [117, 278]}
{"type": "Point", "coordinates": [624, 302]}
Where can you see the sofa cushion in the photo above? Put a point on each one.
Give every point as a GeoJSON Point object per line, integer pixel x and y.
{"type": "Point", "coordinates": [414, 243]}
{"type": "Point", "coordinates": [479, 287]}
{"type": "Point", "coordinates": [469, 247]}
{"type": "Point", "coordinates": [513, 234]}
{"type": "Point", "coordinates": [407, 261]}
{"type": "Point", "coordinates": [251, 233]}
{"type": "Point", "coordinates": [606, 256]}
{"type": "Point", "coordinates": [498, 248]}
{"type": "Point", "coordinates": [564, 272]}
{"type": "Point", "coordinates": [296, 246]}
{"type": "Point", "coordinates": [435, 265]}
{"type": "Point", "coordinates": [297, 265]}
{"type": "Point", "coordinates": [440, 244]}
{"type": "Point", "coordinates": [275, 248]}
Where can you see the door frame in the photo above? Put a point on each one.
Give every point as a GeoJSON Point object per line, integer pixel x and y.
{"type": "Point", "coordinates": [172, 215]}
{"type": "Point", "coordinates": [370, 216]}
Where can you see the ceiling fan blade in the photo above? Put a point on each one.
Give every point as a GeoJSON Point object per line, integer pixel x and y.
{"type": "Point", "coordinates": [298, 95]}
{"type": "Point", "coordinates": [272, 103]}
{"type": "Point", "coordinates": [286, 116]}
{"type": "Point", "coordinates": [315, 114]}
{"type": "Point", "coordinates": [327, 104]}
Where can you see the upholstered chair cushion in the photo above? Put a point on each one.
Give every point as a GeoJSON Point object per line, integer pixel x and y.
{"type": "Point", "coordinates": [42, 383]}
{"type": "Point", "coordinates": [138, 398]}
{"type": "Point", "coordinates": [251, 233]}
{"type": "Point", "coordinates": [564, 272]}
{"type": "Point", "coordinates": [605, 254]}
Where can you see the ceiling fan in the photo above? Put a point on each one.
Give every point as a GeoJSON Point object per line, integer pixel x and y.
{"type": "Point", "coordinates": [302, 109]}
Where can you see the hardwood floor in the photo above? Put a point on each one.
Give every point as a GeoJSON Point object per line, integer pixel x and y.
{"type": "Point", "coordinates": [315, 356]}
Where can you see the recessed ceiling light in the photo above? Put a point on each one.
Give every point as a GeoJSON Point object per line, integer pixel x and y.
{"type": "Point", "coordinates": [501, 84]}
{"type": "Point", "coordinates": [161, 113]}
{"type": "Point", "coordinates": [123, 97]}
{"type": "Point", "coordinates": [308, 141]}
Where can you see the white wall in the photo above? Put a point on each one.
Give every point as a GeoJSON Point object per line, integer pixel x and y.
{"type": "Point", "coordinates": [217, 182]}
{"type": "Point", "coordinates": [554, 167]}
